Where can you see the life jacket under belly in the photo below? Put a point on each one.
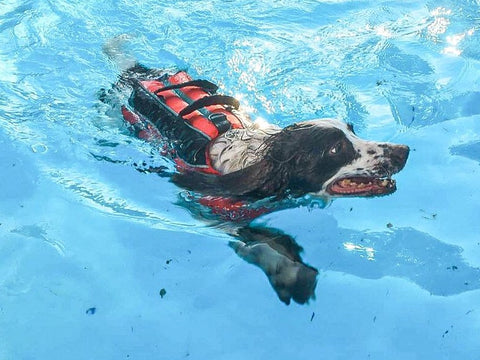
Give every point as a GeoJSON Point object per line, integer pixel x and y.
{"type": "Point", "coordinates": [187, 115]}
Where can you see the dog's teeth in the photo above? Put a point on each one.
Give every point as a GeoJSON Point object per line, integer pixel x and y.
{"type": "Point", "coordinates": [384, 182]}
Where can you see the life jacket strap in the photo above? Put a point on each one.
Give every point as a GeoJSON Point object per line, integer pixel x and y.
{"type": "Point", "coordinates": [203, 84]}
{"type": "Point", "coordinates": [219, 120]}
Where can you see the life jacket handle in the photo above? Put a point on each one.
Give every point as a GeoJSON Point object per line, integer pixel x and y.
{"type": "Point", "coordinates": [210, 100]}
{"type": "Point", "coordinates": [203, 84]}
{"type": "Point", "coordinates": [220, 120]}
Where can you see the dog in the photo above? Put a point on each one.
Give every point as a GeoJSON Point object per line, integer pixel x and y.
{"type": "Point", "coordinates": [242, 168]}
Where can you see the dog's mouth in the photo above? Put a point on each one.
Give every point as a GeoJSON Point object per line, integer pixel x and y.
{"type": "Point", "coordinates": [362, 186]}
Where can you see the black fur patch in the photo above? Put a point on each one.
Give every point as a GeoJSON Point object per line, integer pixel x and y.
{"type": "Point", "coordinates": [298, 161]}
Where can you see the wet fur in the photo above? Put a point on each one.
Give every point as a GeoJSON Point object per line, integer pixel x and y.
{"type": "Point", "coordinates": [295, 162]}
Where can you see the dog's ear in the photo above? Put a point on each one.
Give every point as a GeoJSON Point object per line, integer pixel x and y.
{"type": "Point", "coordinates": [258, 180]}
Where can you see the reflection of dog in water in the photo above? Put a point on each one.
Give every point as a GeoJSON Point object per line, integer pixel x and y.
{"type": "Point", "coordinates": [243, 169]}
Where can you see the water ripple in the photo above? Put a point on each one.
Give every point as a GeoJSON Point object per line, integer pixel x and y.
{"type": "Point", "coordinates": [100, 196]}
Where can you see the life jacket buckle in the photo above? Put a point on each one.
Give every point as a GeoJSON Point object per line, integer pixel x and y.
{"type": "Point", "coordinates": [221, 122]}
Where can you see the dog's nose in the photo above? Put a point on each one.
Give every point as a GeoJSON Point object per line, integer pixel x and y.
{"type": "Point", "coordinates": [399, 155]}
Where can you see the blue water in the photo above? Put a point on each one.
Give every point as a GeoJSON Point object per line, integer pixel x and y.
{"type": "Point", "coordinates": [86, 244]}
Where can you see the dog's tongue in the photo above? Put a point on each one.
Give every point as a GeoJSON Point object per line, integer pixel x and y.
{"type": "Point", "coordinates": [362, 186]}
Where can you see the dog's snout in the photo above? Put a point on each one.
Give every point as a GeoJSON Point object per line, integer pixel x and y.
{"type": "Point", "coordinates": [398, 155]}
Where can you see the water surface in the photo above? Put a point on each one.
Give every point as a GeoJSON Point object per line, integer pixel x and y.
{"type": "Point", "coordinates": [87, 244]}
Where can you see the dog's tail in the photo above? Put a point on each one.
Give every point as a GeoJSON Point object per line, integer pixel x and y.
{"type": "Point", "coordinates": [115, 49]}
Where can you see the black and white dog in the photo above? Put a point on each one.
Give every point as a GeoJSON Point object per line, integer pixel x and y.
{"type": "Point", "coordinates": [320, 157]}
{"type": "Point", "coordinates": [233, 162]}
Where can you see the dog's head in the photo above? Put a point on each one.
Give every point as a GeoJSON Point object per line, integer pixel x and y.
{"type": "Point", "coordinates": [322, 157]}
{"type": "Point", "coordinates": [325, 157]}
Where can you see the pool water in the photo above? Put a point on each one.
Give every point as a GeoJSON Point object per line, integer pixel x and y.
{"type": "Point", "coordinates": [100, 261]}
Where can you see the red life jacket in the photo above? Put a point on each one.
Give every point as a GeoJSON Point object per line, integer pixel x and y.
{"type": "Point", "coordinates": [175, 107]}
{"type": "Point", "coordinates": [189, 113]}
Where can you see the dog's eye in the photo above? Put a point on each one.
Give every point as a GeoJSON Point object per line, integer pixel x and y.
{"type": "Point", "coordinates": [335, 149]}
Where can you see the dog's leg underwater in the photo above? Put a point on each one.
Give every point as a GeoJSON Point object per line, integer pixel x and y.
{"type": "Point", "coordinates": [116, 52]}
{"type": "Point", "coordinates": [130, 66]}
{"type": "Point", "coordinates": [278, 255]}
